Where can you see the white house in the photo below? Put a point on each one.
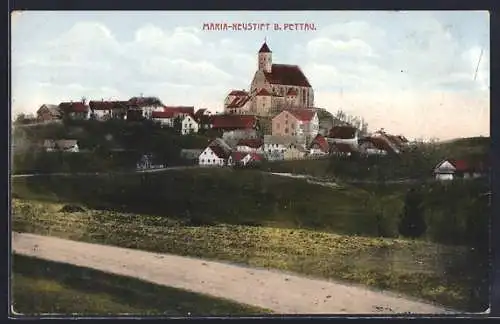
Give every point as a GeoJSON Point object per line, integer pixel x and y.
{"type": "Point", "coordinates": [165, 118]}
{"type": "Point", "coordinates": [189, 125]}
{"type": "Point", "coordinates": [451, 169]}
{"type": "Point", "coordinates": [213, 155]}
{"type": "Point", "coordinates": [243, 158]}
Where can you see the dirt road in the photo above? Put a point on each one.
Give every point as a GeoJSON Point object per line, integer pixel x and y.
{"type": "Point", "coordinates": [281, 292]}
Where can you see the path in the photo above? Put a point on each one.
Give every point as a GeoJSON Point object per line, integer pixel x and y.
{"type": "Point", "coordinates": [281, 292]}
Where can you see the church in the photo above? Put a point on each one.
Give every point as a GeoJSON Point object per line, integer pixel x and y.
{"type": "Point", "coordinates": [274, 87]}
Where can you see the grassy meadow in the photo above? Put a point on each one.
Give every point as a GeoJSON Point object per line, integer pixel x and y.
{"type": "Point", "coordinates": [45, 287]}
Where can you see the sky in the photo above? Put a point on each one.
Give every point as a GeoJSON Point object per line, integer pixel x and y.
{"type": "Point", "coordinates": [411, 73]}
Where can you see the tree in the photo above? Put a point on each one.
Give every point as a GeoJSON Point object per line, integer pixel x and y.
{"type": "Point", "coordinates": [412, 223]}
{"type": "Point", "coordinates": [178, 124]}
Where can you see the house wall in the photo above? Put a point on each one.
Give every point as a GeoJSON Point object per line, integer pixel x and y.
{"type": "Point", "coordinates": [208, 158]}
{"type": "Point", "coordinates": [293, 154]}
{"type": "Point", "coordinates": [444, 176]}
{"type": "Point", "coordinates": [189, 126]}
{"type": "Point", "coordinates": [248, 149]}
{"type": "Point", "coordinates": [168, 122]}
{"type": "Point", "coordinates": [286, 124]}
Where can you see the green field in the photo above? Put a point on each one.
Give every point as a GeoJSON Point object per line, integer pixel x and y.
{"type": "Point", "coordinates": [431, 271]}
{"type": "Point", "coordinates": [44, 287]}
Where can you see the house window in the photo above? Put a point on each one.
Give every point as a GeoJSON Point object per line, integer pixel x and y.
{"type": "Point", "coordinates": [213, 160]}
{"type": "Point", "coordinates": [286, 130]}
{"type": "Point", "coordinates": [286, 122]}
{"type": "Point", "coordinates": [293, 125]}
{"type": "Point", "coordinates": [202, 161]}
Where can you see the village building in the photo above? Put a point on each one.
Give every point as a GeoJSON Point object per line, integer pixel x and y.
{"type": "Point", "coordinates": [244, 159]}
{"type": "Point", "coordinates": [216, 154]}
{"type": "Point", "coordinates": [342, 149]}
{"type": "Point", "coordinates": [296, 122]}
{"type": "Point", "coordinates": [143, 107]}
{"type": "Point", "coordinates": [189, 125]}
{"type": "Point", "coordinates": [277, 143]}
{"type": "Point", "coordinates": [250, 145]}
{"type": "Point", "coordinates": [319, 146]}
{"type": "Point", "coordinates": [294, 152]}
{"type": "Point", "coordinates": [452, 169]}
{"type": "Point", "coordinates": [105, 110]}
{"type": "Point", "coordinates": [48, 113]}
{"type": "Point", "coordinates": [74, 110]}
{"type": "Point", "coordinates": [274, 87]}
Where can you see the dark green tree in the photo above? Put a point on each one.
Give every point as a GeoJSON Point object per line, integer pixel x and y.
{"type": "Point", "coordinates": [412, 223]}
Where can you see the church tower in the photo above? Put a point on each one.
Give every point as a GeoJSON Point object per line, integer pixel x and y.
{"type": "Point", "coordinates": [265, 58]}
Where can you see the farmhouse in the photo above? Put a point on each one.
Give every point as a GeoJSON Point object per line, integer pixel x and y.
{"type": "Point", "coordinates": [48, 113]}
{"type": "Point", "coordinates": [74, 110]}
{"type": "Point", "coordinates": [104, 110]}
{"type": "Point", "coordinates": [273, 143]}
{"type": "Point", "coordinates": [216, 154]}
{"type": "Point", "coordinates": [244, 159]}
{"type": "Point", "coordinates": [451, 169]}
{"type": "Point", "coordinates": [189, 125]}
{"type": "Point", "coordinates": [250, 146]}
{"type": "Point", "coordinates": [319, 146]}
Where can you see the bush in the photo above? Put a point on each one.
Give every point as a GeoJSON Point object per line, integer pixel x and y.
{"type": "Point", "coordinates": [412, 223]}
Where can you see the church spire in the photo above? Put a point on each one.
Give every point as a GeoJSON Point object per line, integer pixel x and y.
{"type": "Point", "coordinates": [264, 48]}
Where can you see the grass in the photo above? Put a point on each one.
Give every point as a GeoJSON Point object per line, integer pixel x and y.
{"type": "Point", "coordinates": [45, 287]}
{"type": "Point", "coordinates": [431, 271]}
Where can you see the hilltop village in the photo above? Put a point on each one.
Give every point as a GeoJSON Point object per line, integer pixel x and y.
{"type": "Point", "coordinates": [275, 119]}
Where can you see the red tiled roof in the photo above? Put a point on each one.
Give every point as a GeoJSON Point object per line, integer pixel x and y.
{"type": "Point", "coordinates": [396, 140]}
{"type": "Point", "coordinates": [321, 142]}
{"type": "Point", "coordinates": [264, 48]}
{"type": "Point", "coordinates": [460, 165]}
{"type": "Point", "coordinates": [302, 114]}
{"type": "Point", "coordinates": [73, 107]}
{"type": "Point", "coordinates": [238, 156]}
{"type": "Point", "coordinates": [234, 121]}
{"type": "Point", "coordinates": [291, 92]}
{"type": "Point", "coordinates": [238, 93]}
{"type": "Point", "coordinates": [180, 109]}
{"type": "Point", "coordinates": [342, 132]}
{"type": "Point", "coordinates": [287, 75]}
{"type": "Point", "coordinates": [219, 151]}
{"type": "Point", "coordinates": [163, 114]}
{"type": "Point", "coordinates": [263, 92]}
{"type": "Point", "coordinates": [238, 102]}
{"type": "Point", "coordinates": [253, 143]}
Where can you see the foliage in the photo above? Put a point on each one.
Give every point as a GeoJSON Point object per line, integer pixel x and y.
{"type": "Point", "coordinates": [412, 223]}
{"type": "Point", "coordinates": [45, 287]}
{"type": "Point", "coordinates": [431, 271]}
{"type": "Point", "coordinates": [100, 139]}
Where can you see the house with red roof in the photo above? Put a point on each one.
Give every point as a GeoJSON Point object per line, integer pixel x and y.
{"type": "Point", "coordinates": [319, 146]}
{"type": "Point", "coordinates": [167, 115]}
{"type": "Point", "coordinates": [245, 159]}
{"type": "Point", "coordinates": [74, 110]}
{"type": "Point", "coordinates": [234, 122]}
{"type": "Point", "coordinates": [250, 145]}
{"type": "Point", "coordinates": [237, 102]}
{"type": "Point", "coordinates": [451, 169]}
{"type": "Point", "coordinates": [296, 122]}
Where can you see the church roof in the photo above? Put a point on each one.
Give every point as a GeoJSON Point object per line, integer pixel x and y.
{"type": "Point", "coordinates": [285, 74]}
{"type": "Point", "coordinates": [264, 48]}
